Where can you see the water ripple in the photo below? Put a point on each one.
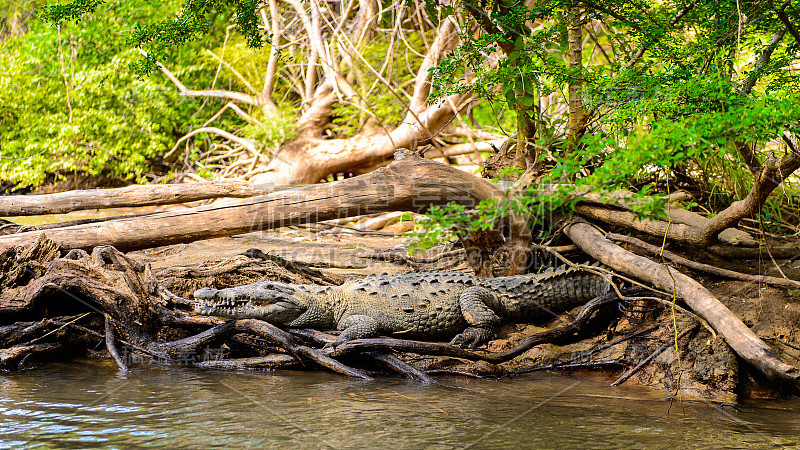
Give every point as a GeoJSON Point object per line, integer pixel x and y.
{"type": "Point", "coordinates": [79, 405]}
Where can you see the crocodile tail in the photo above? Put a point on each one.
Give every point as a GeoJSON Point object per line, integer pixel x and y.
{"type": "Point", "coordinates": [576, 283]}
{"type": "Point", "coordinates": [555, 291]}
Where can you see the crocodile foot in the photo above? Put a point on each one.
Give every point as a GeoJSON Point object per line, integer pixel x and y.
{"type": "Point", "coordinates": [472, 337]}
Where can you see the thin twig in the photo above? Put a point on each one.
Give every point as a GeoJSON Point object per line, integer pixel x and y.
{"type": "Point", "coordinates": [40, 338]}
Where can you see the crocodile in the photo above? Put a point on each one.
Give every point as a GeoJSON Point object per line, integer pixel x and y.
{"type": "Point", "coordinates": [419, 305]}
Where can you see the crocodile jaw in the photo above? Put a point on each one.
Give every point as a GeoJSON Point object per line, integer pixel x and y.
{"type": "Point", "coordinates": [279, 309]}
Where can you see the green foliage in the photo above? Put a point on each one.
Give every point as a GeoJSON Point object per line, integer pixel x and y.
{"type": "Point", "coordinates": [194, 21]}
{"type": "Point", "coordinates": [675, 113]}
{"type": "Point", "coordinates": [446, 222]}
{"type": "Point", "coordinates": [68, 102]}
{"type": "Point", "coordinates": [107, 107]}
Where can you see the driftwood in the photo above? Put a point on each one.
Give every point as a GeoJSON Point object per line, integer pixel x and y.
{"type": "Point", "coordinates": [112, 346]}
{"type": "Point", "coordinates": [130, 312]}
{"type": "Point", "coordinates": [149, 324]}
{"type": "Point", "coordinates": [64, 202]}
{"type": "Point", "coordinates": [679, 232]}
{"type": "Point", "coordinates": [741, 339]}
{"type": "Point", "coordinates": [128, 293]}
{"type": "Point", "coordinates": [408, 184]}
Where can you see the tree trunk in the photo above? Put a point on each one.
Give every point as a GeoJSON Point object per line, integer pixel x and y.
{"type": "Point", "coordinates": [578, 117]}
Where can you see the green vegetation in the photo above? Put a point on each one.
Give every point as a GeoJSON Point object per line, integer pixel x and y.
{"type": "Point", "coordinates": [70, 102]}
{"type": "Point", "coordinates": [712, 78]}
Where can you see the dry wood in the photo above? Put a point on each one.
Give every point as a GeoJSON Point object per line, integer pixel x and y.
{"type": "Point", "coordinates": [678, 232]}
{"type": "Point", "coordinates": [772, 173]}
{"type": "Point", "coordinates": [262, 329]}
{"type": "Point", "coordinates": [64, 202]}
{"type": "Point", "coordinates": [775, 281]}
{"type": "Point", "coordinates": [741, 339]}
{"type": "Point", "coordinates": [311, 156]}
{"type": "Point", "coordinates": [403, 368]}
{"type": "Point", "coordinates": [408, 184]}
{"type": "Point", "coordinates": [10, 357]}
{"type": "Point", "coordinates": [790, 251]}
{"type": "Point", "coordinates": [730, 236]}
{"type": "Point", "coordinates": [596, 205]}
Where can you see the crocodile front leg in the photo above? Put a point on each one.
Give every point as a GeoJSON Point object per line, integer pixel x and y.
{"type": "Point", "coordinates": [357, 326]}
{"type": "Point", "coordinates": [475, 304]}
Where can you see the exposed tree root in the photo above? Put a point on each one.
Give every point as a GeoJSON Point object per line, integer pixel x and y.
{"type": "Point", "coordinates": [111, 346]}
{"type": "Point", "coordinates": [150, 323]}
{"type": "Point", "coordinates": [744, 342]}
{"type": "Point", "coordinates": [13, 356]}
{"type": "Point", "coordinates": [120, 302]}
{"type": "Point", "coordinates": [146, 313]}
{"type": "Point", "coordinates": [64, 202]}
{"type": "Point", "coordinates": [775, 281]}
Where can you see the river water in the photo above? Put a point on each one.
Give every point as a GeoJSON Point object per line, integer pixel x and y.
{"type": "Point", "coordinates": [88, 403]}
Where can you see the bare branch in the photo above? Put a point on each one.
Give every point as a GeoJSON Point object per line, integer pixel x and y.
{"type": "Point", "coordinates": [772, 173]}
{"type": "Point", "coordinates": [185, 92]}
{"type": "Point", "coordinates": [763, 60]}
{"type": "Point", "coordinates": [241, 141]}
{"type": "Point", "coordinates": [445, 38]}
{"type": "Point", "coordinates": [781, 12]}
{"type": "Point", "coordinates": [273, 24]}
{"type": "Point", "coordinates": [238, 111]}
{"type": "Point", "coordinates": [485, 22]}
{"type": "Point", "coordinates": [235, 72]}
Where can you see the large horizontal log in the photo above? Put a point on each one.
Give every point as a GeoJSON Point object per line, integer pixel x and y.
{"type": "Point", "coordinates": [64, 202]}
{"type": "Point", "coordinates": [408, 184]}
{"type": "Point", "coordinates": [741, 339]}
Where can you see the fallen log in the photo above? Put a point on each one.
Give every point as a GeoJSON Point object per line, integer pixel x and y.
{"type": "Point", "coordinates": [682, 225]}
{"type": "Point", "coordinates": [64, 202]}
{"type": "Point", "coordinates": [687, 229]}
{"type": "Point", "coordinates": [741, 339]}
{"type": "Point", "coordinates": [408, 184]}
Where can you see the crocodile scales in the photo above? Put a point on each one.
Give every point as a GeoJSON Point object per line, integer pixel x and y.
{"type": "Point", "coordinates": [418, 305]}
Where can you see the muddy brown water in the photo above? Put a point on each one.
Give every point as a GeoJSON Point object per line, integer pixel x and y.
{"type": "Point", "coordinates": [89, 403]}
